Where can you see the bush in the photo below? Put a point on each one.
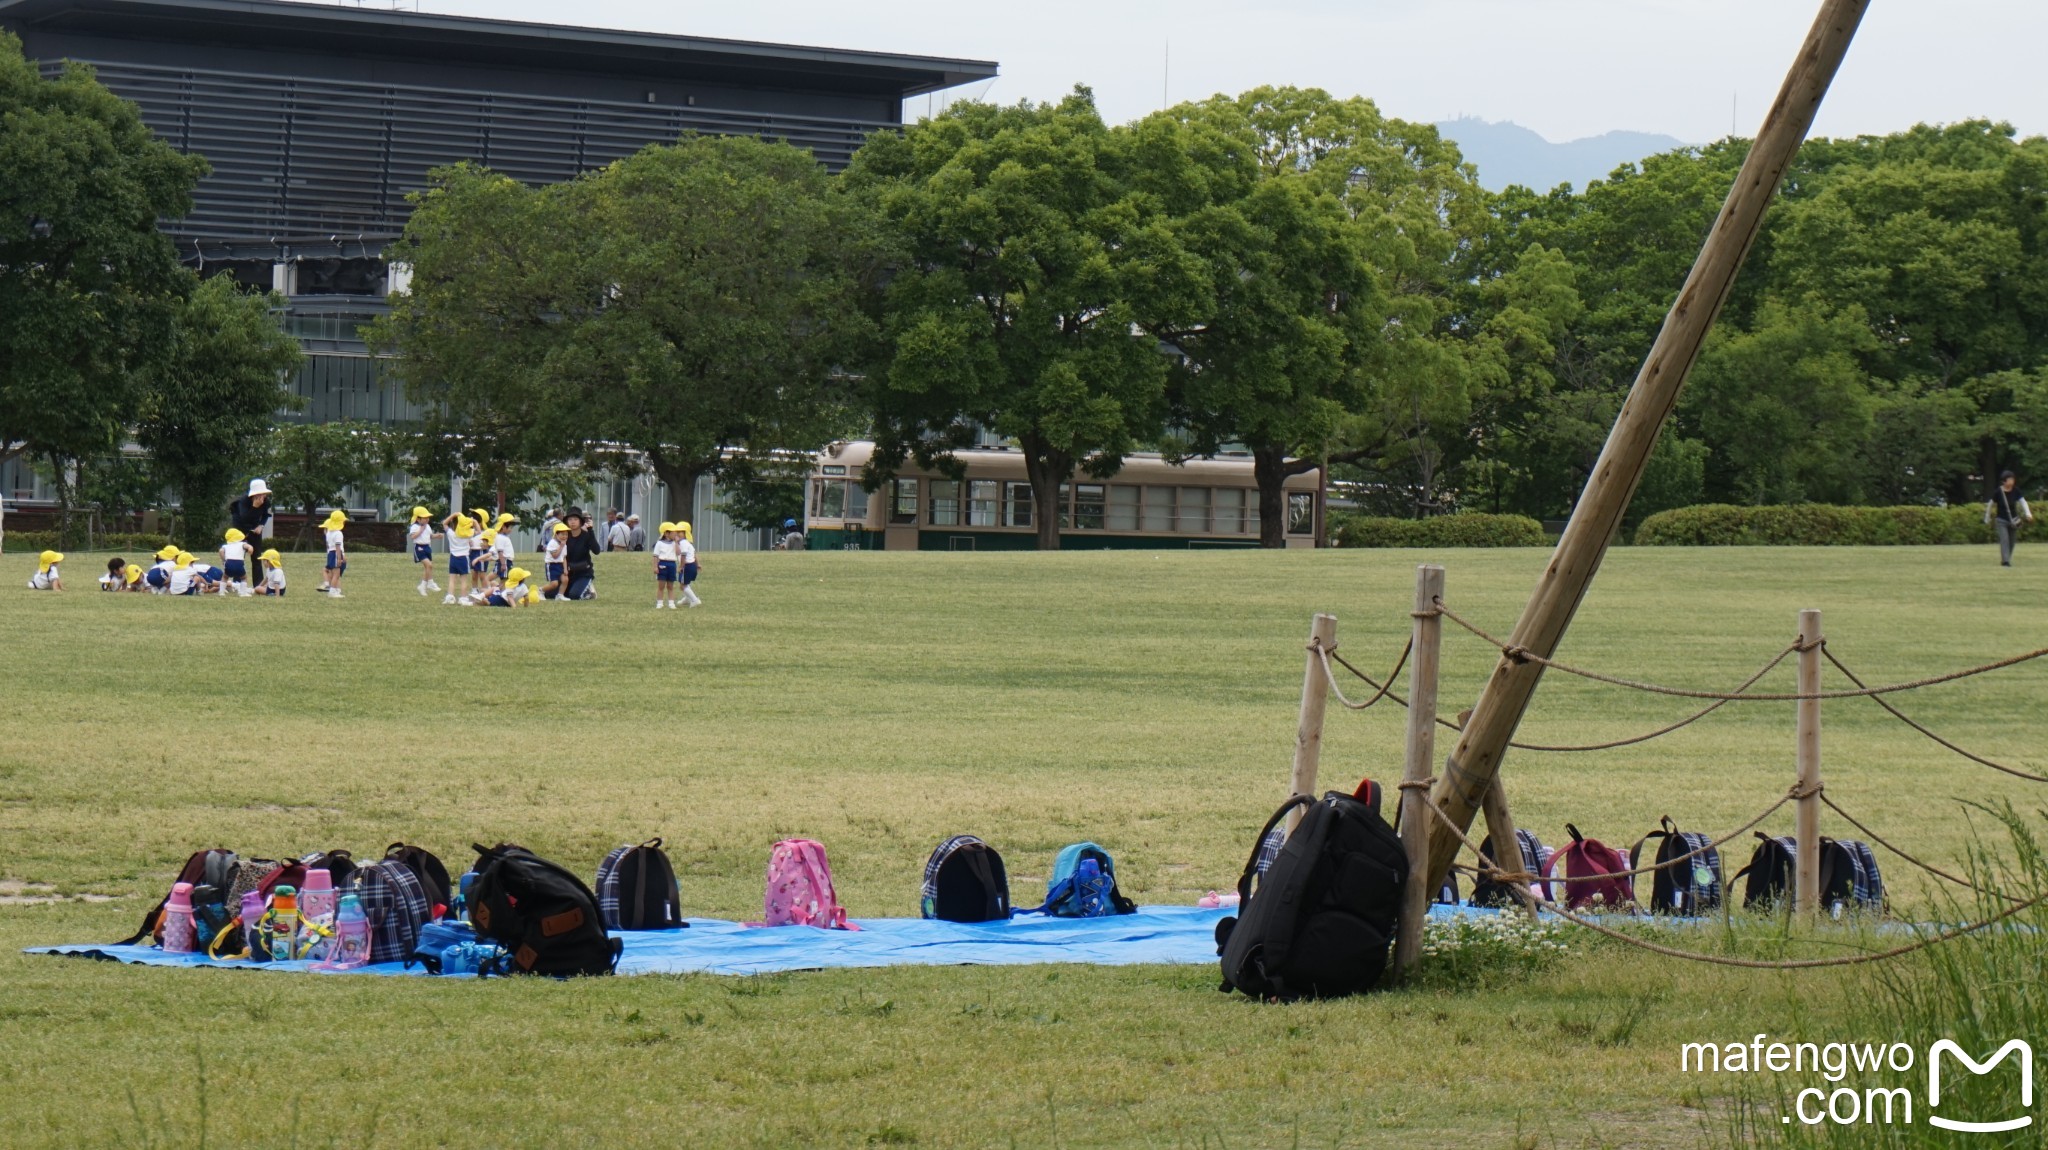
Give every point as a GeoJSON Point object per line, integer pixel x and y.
{"type": "Point", "coordinates": [29, 541]}
{"type": "Point", "coordinates": [1813, 525]}
{"type": "Point", "coordinates": [1466, 529]}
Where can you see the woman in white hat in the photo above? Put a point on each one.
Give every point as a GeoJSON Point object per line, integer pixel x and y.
{"type": "Point", "coordinates": [251, 513]}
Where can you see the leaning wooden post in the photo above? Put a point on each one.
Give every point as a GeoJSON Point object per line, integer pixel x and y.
{"type": "Point", "coordinates": [1597, 516]}
{"type": "Point", "coordinates": [1806, 863]}
{"type": "Point", "coordinates": [1315, 697]}
{"type": "Point", "coordinates": [1426, 632]}
{"type": "Point", "coordinates": [1500, 827]}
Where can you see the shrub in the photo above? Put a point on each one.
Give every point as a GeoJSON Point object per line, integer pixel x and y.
{"type": "Point", "coordinates": [1812, 525]}
{"type": "Point", "coordinates": [1466, 529]}
{"type": "Point", "coordinates": [19, 541]}
{"type": "Point", "coordinates": [1482, 949]}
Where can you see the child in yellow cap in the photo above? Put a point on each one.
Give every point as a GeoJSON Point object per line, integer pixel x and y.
{"type": "Point", "coordinates": [667, 553]}
{"type": "Point", "coordinates": [420, 538]}
{"type": "Point", "coordinates": [234, 562]}
{"type": "Point", "coordinates": [461, 540]}
{"type": "Point", "coordinates": [686, 543]}
{"type": "Point", "coordinates": [517, 592]}
{"type": "Point", "coordinates": [273, 573]}
{"type": "Point", "coordinates": [184, 576]}
{"type": "Point", "coordinates": [158, 577]}
{"type": "Point", "coordinates": [504, 554]}
{"type": "Point", "coordinates": [483, 573]}
{"type": "Point", "coordinates": [117, 568]}
{"type": "Point", "coordinates": [337, 553]}
{"type": "Point", "coordinates": [554, 552]}
{"type": "Point", "coordinates": [47, 577]}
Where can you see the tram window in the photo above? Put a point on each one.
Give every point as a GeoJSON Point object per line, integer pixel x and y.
{"type": "Point", "coordinates": [905, 508]}
{"type": "Point", "coordinates": [1088, 506]}
{"type": "Point", "coordinates": [1123, 508]}
{"type": "Point", "coordinates": [856, 501]}
{"type": "Point", "coordinates": [1301, 512]}
{"type": "Point", "coordinates": [1158, 509]}
{"type": "Point", "coordinates": [945, 509]}
{"type": "Point", "coordinates": [981, 502]}
{"type": "Point", "coordinates": [1194, 511]}
{"type": "Point", "coordinates": [1017, 505]}
{"type": "Point", "coordinates": [1230, 511]}
{"type": "Point", "coordinates": [829, 499]}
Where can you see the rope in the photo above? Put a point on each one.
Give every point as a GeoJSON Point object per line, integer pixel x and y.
{"type": "Point", "coordinates": [1522, 654]}
{"type": "Point", "coordinates": [1901, 717]}
{"type": "Point", "coordinates": [1748, 963]}
{"type": "Point", "coordinates": [1326, 654]}
{"type": "Point", "coordinates": [1928, 867]}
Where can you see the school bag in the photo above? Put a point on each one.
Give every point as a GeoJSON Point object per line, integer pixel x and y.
{"type": "Point", "coordinates": [1080, 890]}
{"type": "Point", "coordinates": [215, 868]}
{"type": "Point", "coordinates": [1488, 891]}
{"type": "Point", "coordinates": [1690, 887]}
{"type": "Point", "coordinates": [431, 872]}
{"type": "Point", "coordinates": [339, 864]}
{"type": "Point", "coordinates": [636, 889]}
{"type": "Point", "coordinates": [1770, 872]}
{"type": "Point", "coordinates": [964, 881]}
{"type": "Point", "coordinates": [541, 913]}
{"type": "Point", "coordinates": [395, 904]}
{"type": "Point", "coordinates": [800, 888]}
{"type": "Point", "coordinates": [1849, 877]}
{"type": "Point", "coordinates": [1595, 874]}
{"type": "Point", "coordinates": [1319, 923]}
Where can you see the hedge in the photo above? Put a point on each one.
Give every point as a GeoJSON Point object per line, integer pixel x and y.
{"type": "Point", "coordinates": [1813, 525]}
{"type": "Point", "coordinates": [1465, 529]}
{"type": "Point", "coordinates": [31, 542]}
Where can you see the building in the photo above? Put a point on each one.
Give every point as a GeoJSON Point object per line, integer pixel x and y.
{"type": "Point", "coordinates": [319, 120]}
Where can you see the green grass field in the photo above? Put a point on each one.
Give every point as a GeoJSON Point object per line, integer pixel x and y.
{"type": "Point", "coordinates": [879, 702]}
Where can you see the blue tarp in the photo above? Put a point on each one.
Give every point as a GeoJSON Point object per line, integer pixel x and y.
{"type": "Point", "coordinates": [1158, 934]}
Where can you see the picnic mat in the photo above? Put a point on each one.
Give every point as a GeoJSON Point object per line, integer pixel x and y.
{"type": "Point", "coordinates": [1158, 934]}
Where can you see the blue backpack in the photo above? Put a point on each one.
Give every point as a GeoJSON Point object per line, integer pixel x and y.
{"type": "Point", "coordinates": [1083, 885]}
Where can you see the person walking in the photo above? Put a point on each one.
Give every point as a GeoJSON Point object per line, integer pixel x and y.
{"type": "Point", "coordinates": [617, 535]}
{"type": "Point", "coordinates": [2006, 510]}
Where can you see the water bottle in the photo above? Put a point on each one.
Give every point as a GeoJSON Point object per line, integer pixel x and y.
{"type": "Point", "coordinates": [460, 911]}
{"type": "Point", "coordinates": [283, 929]}
{"type": "Point", "coordinates": [316, 895]}
{"type": "Point", "coordinates": [179, 936]}
{"type": "Point", "coordinates": [351, 947]}
{"type": "Point", "coordinates": [469, 957]}
{"type": "Point", "coordinates": [252, 926]}
{"type": "Point", "coordinates": [1090, 894]}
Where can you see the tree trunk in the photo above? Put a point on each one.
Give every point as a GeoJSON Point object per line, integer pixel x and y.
{"type": "Point", "coordinates": [681, 479]}
{"type": "Point", "coordinates": [1269, 468]}
{"type": "Point", "coordinates": [67, 495]}
{"type": "Point", "coordinates": [1047, 469]}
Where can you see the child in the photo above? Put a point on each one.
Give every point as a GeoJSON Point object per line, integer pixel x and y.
{"type": "Point", "coordinates": [273, 573]}
{"type": "Point", "coordinates": [555, 553]}
{"type": "Point", "coordinates": [517, 592]}
{"type": "Point", "coordinates": [483, 574]}
{"type": "Point", "coordinates": [461, 530]}
{"type": "Point", "coordinates": [421, 536]}
{"type": "Point", "coordinates": [117, 573]}
{"type": "Point", "coordinates": [666, 553]}
{"type": "Point", "coordinates": [505, 556]}
{"type": "Point", "coordinates": [47, 577]}
{"type": "Point", "coordinates": [184, 579]}
{"type": "Point", "coordinates": [131, 578]}
{"type": "Point", "coordinates": [337, 555]}
{"type": "Point", "coordinates": [234, 562]}
{"type": "Point", "coordinates": [159, 576]}
{"type": "Point", "coordinates": [687, 545]}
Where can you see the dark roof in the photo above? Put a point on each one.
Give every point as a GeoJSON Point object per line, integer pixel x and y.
{"type": "Point", "coordinates": [381, 32]}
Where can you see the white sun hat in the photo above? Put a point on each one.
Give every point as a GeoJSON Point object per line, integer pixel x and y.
{"type": "Point", "coordinates": [258, 487]}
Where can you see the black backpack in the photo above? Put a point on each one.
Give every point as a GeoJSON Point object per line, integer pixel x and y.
{"type": "Point", "coordinates": [433, 875]}
{"type": "Point", "coordinates": [1691, 887]}
{"type": "Point", "coordinates": [1849, 877]}
{"type": "Point", "coordinates": [965, 881]}
{"type": "Point", "coordinates": [214, 868]}
{"type": "Point", "coordinates": [1321, 921]}
{"type": "Point", "coordinates": [1487, 891]}
{"type": "Point", "coordinates": [1770, 872]}
{"type": "Point", "coordinates": [539, 912]}
{"type": "Point", "coordinates": [636, 889]}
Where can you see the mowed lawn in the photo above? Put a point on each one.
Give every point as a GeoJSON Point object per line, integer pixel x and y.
{"type": "Point", "coordinates": [880, 702]}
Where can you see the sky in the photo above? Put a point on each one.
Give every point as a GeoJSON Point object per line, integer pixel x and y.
{"type": "Point", "coordinates": [1565, 68]}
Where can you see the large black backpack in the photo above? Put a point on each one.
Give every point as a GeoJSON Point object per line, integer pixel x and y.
{"type": "Point", "coordinates": [636, 889]}
{"type": "Point", "coordinates": [542, 914]}
{"type": "Point", "coordinates": [1321, 919]}
{"type": "Point", "coordinates": [1691, 887]}
{"type": "Point", "coordinates": [1769, 872]}
{"type": "Point", "coordinates": [965, 881]}
{"type": "Point", "coordinates": [1849, 878]}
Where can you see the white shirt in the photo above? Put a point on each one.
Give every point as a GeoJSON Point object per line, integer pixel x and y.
{"type": "Point", "coordinates": [458, 544]}
{"type": "Point", "coordinates": [110, 582]}
{"type": "Point", "coordinates": [274, 578]}
{"type": "Point", "coordinates": [688, 550]}
{"type": "Point", "coordinates": [420, 535]}
{"type": "Point", "coordinates": [334, 539]}
{"type": "Point", "coordinates": [666, 550]}
{"type": "Point", "coordinates": [42, 580]}
{"type": "Point", "coordinates": [504, 545]}
{"type": "Point", "coordinates": [554, 549]}
{"type": "Point", "coordinates": [181, 579]}
{"type": "Point", "coordinates": [618, 536]}
{"type": "Point", "coordinates": [237, 552]}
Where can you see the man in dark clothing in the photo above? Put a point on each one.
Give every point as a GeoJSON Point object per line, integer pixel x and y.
{"type": "Point", "coordinates": [579, 556]}
{"type": "Point", "coordinates": [251, 513]}
{"type": "Point", "coordinates": [2006, 511]}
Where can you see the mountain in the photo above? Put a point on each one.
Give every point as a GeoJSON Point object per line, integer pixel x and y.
{"type": "Point", "coordinates": [1507, 153]}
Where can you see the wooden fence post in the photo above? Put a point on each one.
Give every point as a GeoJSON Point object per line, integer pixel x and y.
{"type": "Point", "coordinates": [1806, 863]}
{"type": "Point", "coordinates": [1427, 632]}
{"type": "Point", "coordinates": [1315, 696]}
{"type": "Point", "coordinates": [1500, 827]}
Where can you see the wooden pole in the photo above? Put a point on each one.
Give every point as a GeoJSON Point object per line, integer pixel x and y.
{"type": "Point", "coordinates": [1806, 863]}
{"type": "Point", "coordinates": [1426, 632]}
{"type": "Point", "coordinates": [1597, 517]}
{"type": "Point", "coordinates": [1315, 696]}
{"type": "Point", "coordinates": [1500, 827]}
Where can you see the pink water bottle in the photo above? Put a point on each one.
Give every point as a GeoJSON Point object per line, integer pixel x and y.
{"type": "Point", "coordinates": [179, 935]}
{"type": "Point", "coordinates": [316, 895]}
{"type": "Point", "coordinates": [351, 937]}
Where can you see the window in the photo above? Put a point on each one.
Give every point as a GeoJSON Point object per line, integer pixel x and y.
{"type": "Point", "coordinates": [1123, 508]}
{"type": "Point", "coordinates": [1017, 505]}
{"type": "Point", "coordinates": [981, 502]}
{"type": "Point", "coordinates": [1301, 512]}
{"type": "Point", "coordinates": [1066, 505]}
{"type": "Point", "coordinates": [904, 507]}
{"type": "Point", "coordinates": [828, 499]}
{"type": "Point", "coordinates": [1088, 506]}
{"type": "Point", "coordinates": [1194, 511]}
{"type": "Point", "coordinates": [835, 469]}
{"type": "Point", "coordinates": [1158, 515]}
{"type": "Point", "coordinates": [856, 501]}
{"type": "Point", "coordinates": [1229, 511]}
{"type": "Point", "coordinates": [945, 506]}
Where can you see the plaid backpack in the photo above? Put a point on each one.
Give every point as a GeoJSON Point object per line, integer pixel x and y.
{"type": "Point", "coordinates": [1686, 888]}
{"type": "Point", "coordinates": [1487, 891]}
{"type": "Point", "coordinates": [964, 881]}
{"type": "Point", "coordinates": [1590, 870]}
{"type": "Point", "coordinates": [396, 905]}
{"type": "Point", "coordinates": [1849, 878]}
{"type": "Point", "coordinates": [636, 889]}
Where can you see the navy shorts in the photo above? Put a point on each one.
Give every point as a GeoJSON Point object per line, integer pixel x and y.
{"type": "Point", "coordinates": [689, 573]}
{"type": "Point", "coordinates": [665, 571]}
{"type": "Point", "coordinates": [458, 564]}
{"type": "Point", "coordinates": [236, 570]}
{"type": "Point", "coordinates": [156, 578]}
{"type": "Point", "coordinates": [423, 553]}
{"type": "Point", "coordinates": [494, 599]}
{"type": "Point", "coordinates": [554, 571]}
{"type": "Point", "coordinates": [214, 575]}
{"type": "Point", "coordinates": [335, 562]}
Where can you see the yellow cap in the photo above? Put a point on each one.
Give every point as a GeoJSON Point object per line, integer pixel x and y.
{"type": "Point", "coordinates": [335, 518]}
{"type": "Point", "coordinates": [483, 514]}
{"type": "Point", "coordinates": [489, 536]}
{"type": "Point", "coordinates": [169, 551]}
{"type": "Point", "coordinates": [464, 526]}
{"type": "Point", "coordinates": [184, 559]}
{"type": "Point", "coordinates": [561, 528]}
{"type": "Point", "coordinates": [235, 535]}
{"type": "Point", "coordinates": [532, 595]}
{"type": "Point", "coordinates": [133, 574]}
{"type": "Point", "coordinates": [684, 527]}
{"type": "Point", "coordinates": [422, 513]}
{"type": "Point", "coordinates": [667, 527]}
{"type": "Point", "coordinates": [517, 576]}
{"type": "Point", "coordinates": [50, 558]}
{"type": "Point", "coordinates": [505, 517]}
{"type": "Point", "coordinates": [271, 556]}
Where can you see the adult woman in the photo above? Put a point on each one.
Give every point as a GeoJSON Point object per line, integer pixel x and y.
{"type": "Point", "coordinates": [251, 513]}
{"type": "Point", "coordinates": [580, 555]}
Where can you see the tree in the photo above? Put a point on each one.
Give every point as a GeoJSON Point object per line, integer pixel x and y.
{"type": "Point", "coordinates": [764, 494]}
{"type": "Point", "coordinates": [206, 409]}
{"type": "Point", "coordinates": [1032, 269]}
{"type": "Point", "coordinates": [315, 465]}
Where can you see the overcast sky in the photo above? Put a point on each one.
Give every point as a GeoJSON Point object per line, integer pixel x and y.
{"type": "Point", "coordinates": [1566, 68]}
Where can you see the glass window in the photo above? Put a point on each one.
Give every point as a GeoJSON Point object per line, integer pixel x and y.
{"type": "Point", "coordinates": [945, 507]}
{"type": "Point", "coordinates": [828, 500]}
{"type": "Point", "coordinates": [1158, 514]}
{"type": "Point", "coordinates": [1066, 505]}
{"type": "Point", "coordinates": [1194, 511]}
{"type": "Point", "coordinates": [1229, 511]}
{"type": "Point", "coordinates": [835, 469]}
{"type": "Point", "coordinates": [1301, 512]}
{"type": "Point", "coordinates": [1088, 506]}
{"type": "Point", "coordinates": [1123, 508]}
{"type": "Point", "coordinates": [982, 496]}
{"type": "Point", "coordinates": [856, 501]}
{"type": "Point", "coordinates": [905, 508]}
{"type": "Point", "coordinates": [1251, 513]}
{"type": "Point", "coordinates": [1017, 505]}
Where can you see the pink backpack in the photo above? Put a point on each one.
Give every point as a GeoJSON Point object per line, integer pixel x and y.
{"type": "Point", "coordinates": [800, 888]}
{"type": "Point", "coordinates": [1590, 867]}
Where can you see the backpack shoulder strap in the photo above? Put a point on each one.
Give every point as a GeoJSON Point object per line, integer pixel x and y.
{"type": "Point", "coordinates": [1251, 866]}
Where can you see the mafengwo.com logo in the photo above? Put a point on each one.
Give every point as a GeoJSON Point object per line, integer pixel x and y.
{"type": "Point", "coordinates": [1842, 1104]}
